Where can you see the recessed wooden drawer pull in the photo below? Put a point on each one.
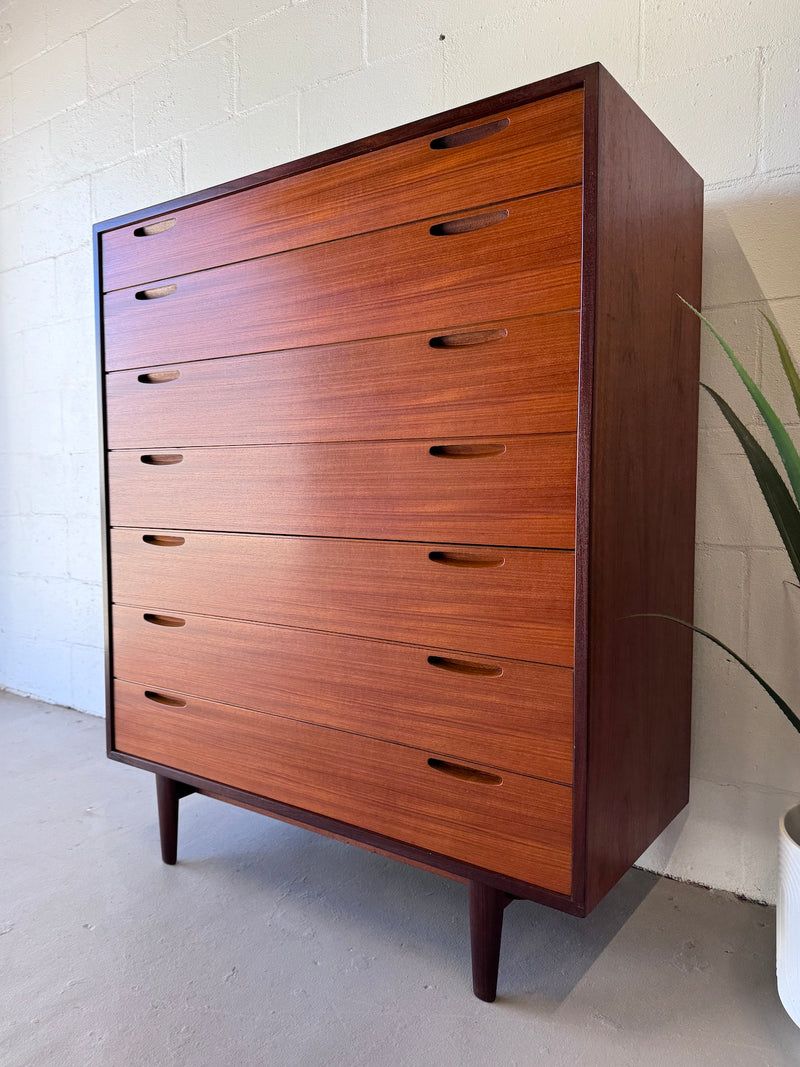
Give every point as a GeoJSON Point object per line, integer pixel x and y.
{"type": "Point", "coordinates": [465, 666]}
{"type": "Point", "coordinates": [467, 224]}
{"type": "Point", "coordinates": [465, 559]}
{"type": "Point", "coordinates": [152, 228]}
{"type": "Point", "coordinates": [162, 698]}
{"type": "Point", "coordinates": [158, 291]}
{"type": "Point", "coordinates": [467, 774]}
{"type": "Point", "coordinates": [162, 460]}
{"type": "Point", "coordinates": [467, 451]}
{"type": "Point", "coordinates": [163, 540]}
{"type": "Point", "coordinates": [469, 136]}
{"type": "Point", "coordinates": [156, 377]}
{"type": "Point", "coordinates": [460, 340]}
{"type": "Point", "coordinates": [163, 620]}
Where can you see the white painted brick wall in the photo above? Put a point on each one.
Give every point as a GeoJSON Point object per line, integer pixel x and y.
{"type": "Point", "coordinates": [259, 138]}
{"type": "Point", "coordinates": [207, 19]}
{"type": "Point", "coordinates": [697, 110]}
{"type": "Point", "coordinates": [131, 42]}
{"type": "Point", "coordinates": [47, 85]}
{"type": "Point", "coordinates": [5, 108]}
{"type": "Point", "coordinates": [367, 100]}
{"type": "Point", "coordinates": [178, 96]}
{"type": "Point", "coordinates": [296, 47]}
{"type": "Point", "coordinates": [521, 42]}
{"type": "Point", "coordinates": [148, 177]}
{"type": "Point", "coordinates": [91, 137]}
{"type": "Point", "coordinates": [108, 105]}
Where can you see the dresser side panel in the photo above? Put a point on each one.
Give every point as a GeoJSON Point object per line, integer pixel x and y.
{"type": "Point", "coordinates": [643, 470]}
{"type": "Point", "coordinates": [583, 478]}
{"type": "Point", "coordinates": [104, 531]}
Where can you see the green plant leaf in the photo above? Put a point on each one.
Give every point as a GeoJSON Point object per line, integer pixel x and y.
{"type": "Point", "coordinates": [787, 711]}
{"type": "Point", "coordinates": [785, 512]}
{"type": "Point", "coordinates": [783, 442]}
{"type": "Point", "coordinates": [786, 362]}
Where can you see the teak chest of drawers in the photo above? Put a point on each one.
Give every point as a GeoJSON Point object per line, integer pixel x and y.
{"type": "Point", "coordinates": [399, 447]}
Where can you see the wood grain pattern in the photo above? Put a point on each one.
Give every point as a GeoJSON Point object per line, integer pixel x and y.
{"type": "Point", "coordinates": [539, 149]}
{"type": "Point", "coordinates": [519, 605]}
{"type": "Point", "coordinates": [430, 126]}
{"type": "Point", "coordinates": [368, 846]}
{"type": "Point", "coordinates": [298, 329]}
{"type": "Point", "coordinates": [519, 719]}
{"type": "Point", "coordinates": [389, 282]}
{"type": "Point", "coordinates": [520, 828]}
{"type": "Point", "coordinates": [397, 490]}
{"type": "Point", "coordinates": [524, 379]}
{"type": "Point", "coordinates": [642, 488]}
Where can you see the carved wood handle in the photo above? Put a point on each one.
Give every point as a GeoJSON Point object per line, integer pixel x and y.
{"type": "Point", "coordinates": [470, 135]}
{"type": "Point", "coordinates": [467, 451]}
{"type": "Point", "coordinates": [466, 774]}
{"type": "Point", "coordinates": [150, 229]}
{"type": "Point", "coordinates": [469, 223]}
{"type": "Point", "coordinates": [156, 293]}
{"type": "Point", "coordinates": [465, 666]}
{"type": "Point", "coordinates": [156, 377]}
{"type": "Point", "coordinates": [161, 459]}
{"type": "Point", "coordinates": [473, 337]}
{"type": "Point", "coordinates": [163, 698]}
{"type": "Point", "coordinates": [451, 558]}
{"type": "Point", "coordinates": [163, 620]}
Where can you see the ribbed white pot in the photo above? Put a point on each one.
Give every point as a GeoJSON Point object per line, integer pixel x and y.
{"type": "Point", "coordinates": [788, 939]}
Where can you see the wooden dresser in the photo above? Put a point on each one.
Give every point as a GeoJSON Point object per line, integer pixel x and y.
{"type": "Point", "coordinates": [399, 440]}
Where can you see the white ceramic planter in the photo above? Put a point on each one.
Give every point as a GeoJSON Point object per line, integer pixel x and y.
{"type": "Point", "coordinates": [788, 939]}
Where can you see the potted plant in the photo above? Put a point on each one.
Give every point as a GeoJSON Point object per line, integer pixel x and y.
{"type": "Point", "coordinates": [783, 501]}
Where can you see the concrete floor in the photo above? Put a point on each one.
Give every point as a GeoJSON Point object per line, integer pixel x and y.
{"type": "Point", "coordinates": [270, 945]}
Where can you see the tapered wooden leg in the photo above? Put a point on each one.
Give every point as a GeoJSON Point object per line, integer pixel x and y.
{"type": "Point", "coordinates": [486, 906]}
{"type": "Point", "coordinates": [169, 793]}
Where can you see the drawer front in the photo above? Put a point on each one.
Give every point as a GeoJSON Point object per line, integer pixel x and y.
{"type": "Point", "coordinates": [510, 602]}
{"type": "Point", "coordinates": [517, 826]}
{"type": "Point", "coordinates": [505, 713]}
{"type": "Point", "coordinates": [394, 281]}
{"type": "Point", "coordinates": [539, 148]}
{"type": "Point", "coordinates": [518, 491]}
{"type": "Point", "coordinates": [518, 375]}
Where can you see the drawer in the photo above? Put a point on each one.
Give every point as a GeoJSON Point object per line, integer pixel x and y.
{"type": "Point", "coordinates": [510, 602]}
{"type": "Point", "coordinates": [523, 151]}
{"type": "Point", "coordinates": [410, 278]}
{"type": "Point", "coordinates": [518, 375]}
{"type": "Point", "coordinates": [517, 826]}
{"type": "Point", "coordinates": [505, 713]}
{"type": "Point", "coordinates": [513, 491]}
